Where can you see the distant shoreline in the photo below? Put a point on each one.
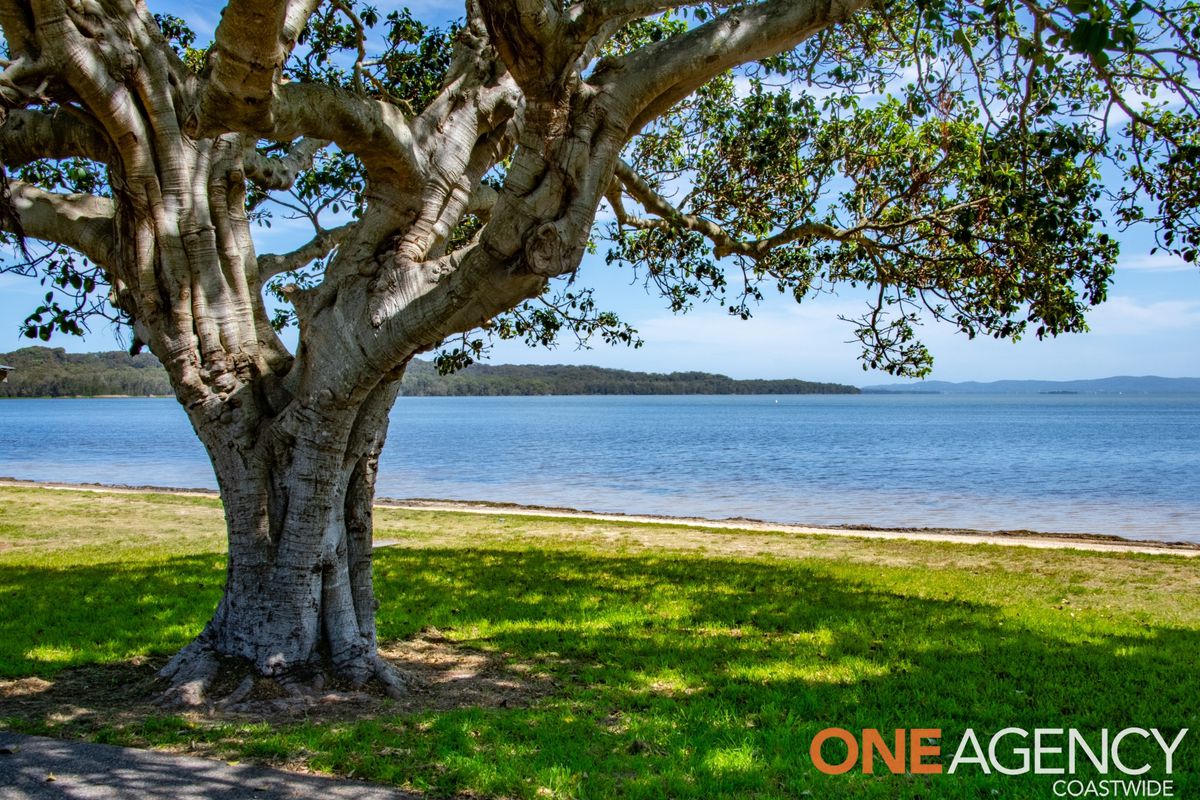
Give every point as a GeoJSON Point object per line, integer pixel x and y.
{"type": "Point", "coordinates": [46, 372]}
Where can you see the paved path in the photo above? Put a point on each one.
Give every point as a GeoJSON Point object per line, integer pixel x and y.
{"type": "Point", "coordinates": [99, 772]}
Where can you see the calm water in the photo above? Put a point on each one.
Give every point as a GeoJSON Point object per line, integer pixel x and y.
{"type": "Point", "coordinates": [1127, 465]}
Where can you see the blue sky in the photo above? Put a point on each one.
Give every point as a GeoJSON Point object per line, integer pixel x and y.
{"type": "Point", "coordinates": [1150, 324]}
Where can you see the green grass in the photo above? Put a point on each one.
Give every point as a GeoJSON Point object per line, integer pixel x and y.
{"type": "Point", "coordinates": [686, 663]}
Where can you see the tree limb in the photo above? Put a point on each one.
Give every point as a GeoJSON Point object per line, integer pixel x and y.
{"type": "Point", "coordinates": [724, 244]}
{"type": "Point", "coordinates": [251, 44]}
{"type": "Point", "coordinates": [280, 172]}
{"type": "Point", "coordinates": [321, 245]}
{"type": "Point", "coordinates": [648, 81]}
{"type": "Point", "coordinates": [27, 135]}
{"type": "Point", "coordinates": [483, 199]}
{"type": "Point", "coordinates": [375, 131]}
{"type": "Point", "coordinates": [82, 222]}
{"type": "Point", "coordinates": [17, 24]}
{"type": "Point", "coordinates": [529, 36]}
{"type": "Point", "coordinates": [588, 17]}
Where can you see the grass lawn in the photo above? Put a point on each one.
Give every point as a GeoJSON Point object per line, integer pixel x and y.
{"type": "Point", "coordinates": [673, 662]}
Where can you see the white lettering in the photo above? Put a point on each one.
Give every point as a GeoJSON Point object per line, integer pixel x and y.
{"type": "Point", "coordinates": [1169, 751]}
{"type": "Point", "coordinates": [1040, 750]}
{"type": "Point", "coordinates": [1021, 751]}
{"type": "Point", "coordinates": [1075, 738]}
{"type": "Point", "coordinates": [959, 758]}
{"type": "Point", "coordinates": [1116, 751]}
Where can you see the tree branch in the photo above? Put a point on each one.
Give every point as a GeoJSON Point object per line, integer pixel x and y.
{"type": "Point", "coordinates": [27, 135]}
{"type": "Point", "coordinates": [531, 41]}
{"type": "Point", "coordinates": [648, 81]}
{"type": "Point", "coordinates": [724, 244]}
{"type": "Point", "coordinates": [17, 24]}
{"type": "Point", "coordinates": [321, 245]}
{"type": "Point", "coordinates": [373, 130]}
{"type": "Point", "coordinates": [24, 79]}
{"type": "Point", "coordinates": [588, 17]}
{"type": "Point", "coordinates": [251, 44]}
{"type": "Point", "coordinates": [82, 222]}
{"type": "Point", "coordinates": [280, 172]}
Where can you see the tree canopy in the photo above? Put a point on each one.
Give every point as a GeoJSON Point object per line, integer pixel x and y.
{"type": "Point", "coordinates": [965, 161]}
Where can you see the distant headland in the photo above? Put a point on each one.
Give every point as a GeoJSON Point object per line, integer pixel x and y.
{"type": "Point", "coordinates": [1121, 384]}
{"type": "Point", "coordinates": [52, 372]}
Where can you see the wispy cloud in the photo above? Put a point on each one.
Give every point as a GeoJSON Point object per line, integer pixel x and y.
{"type": "Point", "coordinates": [1156, 262]}
{"type": "Point", "coordinates": [1128, 316]}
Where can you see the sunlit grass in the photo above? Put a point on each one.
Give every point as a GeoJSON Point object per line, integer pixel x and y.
{"type": "Point", "coordinates": [679, 672]}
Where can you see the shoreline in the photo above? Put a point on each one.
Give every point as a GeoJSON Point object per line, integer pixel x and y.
{"type": "Point", "coordinates": [1010, 538]}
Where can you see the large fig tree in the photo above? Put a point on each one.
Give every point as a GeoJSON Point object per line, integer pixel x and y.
{"type": "Point", "coordinates": [953, 159]}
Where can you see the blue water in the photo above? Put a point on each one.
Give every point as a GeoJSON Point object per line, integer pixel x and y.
{"type": "Point", "coordinates": [1122, 464]}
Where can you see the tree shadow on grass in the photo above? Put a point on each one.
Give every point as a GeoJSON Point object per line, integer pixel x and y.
{"type": "Point", "coordinates": [60, 617]}
{"type": "Point", "coordinates": [702, 676]}
{"type": "Point", "coordinates": [687, 677]}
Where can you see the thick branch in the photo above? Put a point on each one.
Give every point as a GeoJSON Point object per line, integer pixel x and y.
{"type": "Point", "coordinates": [17, 24]}
{"type": "Point", "coordinates": [647, 82]}
{"type": "Point", "coordinates": [375, 131]}
{"type": "Point", "coordinates": [82, 222]}
{"type": "Point", "coordinates": [28, 135]}
{"type": "Point", "coordinates": [24, 79]}
{"type": "Point", "coordinates": [482, 201]}
{"type": "Point", "coordinates": [280, 172]}
{"type": "Point", "coordinates": [252, 42]}
{"type": "Point", "coordinates": [529, 36]}
{"type": "Point", "coordinates": [587, 18]}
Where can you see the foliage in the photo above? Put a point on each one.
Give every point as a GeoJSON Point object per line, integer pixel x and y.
{"type": "Point", "coordinates": [955, 158]}
{"type": "Point", "coordinates": [685, 663]}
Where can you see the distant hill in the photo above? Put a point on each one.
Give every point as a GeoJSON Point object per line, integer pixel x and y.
{"type": "Point", "coordinates": [52, 372]}
{"type": "Point", "coordinates": [422, 379]}
{"type": "Point", "coordinates": [1123, 384]}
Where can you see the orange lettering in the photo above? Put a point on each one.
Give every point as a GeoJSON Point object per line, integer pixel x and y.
{"type": "Point", "coordinates": [872, 743]}
{"type": "Point", "coordinates": [917, 751]}
{"type": "Point", "coordinates": [819, 761]}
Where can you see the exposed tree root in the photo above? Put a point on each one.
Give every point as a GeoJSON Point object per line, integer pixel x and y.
{"type": "Point", "coordinates": [395, 683]}
{"type": "Point", "coordinates": [438, 673]}
{"type": "Point", "coordinates": [199, 679]}
{"type": "Point", "coordinates": [190, 674]}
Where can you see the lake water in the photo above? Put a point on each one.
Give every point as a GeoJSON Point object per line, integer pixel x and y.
{"type": "Point", "coordinates": [1121, 464]}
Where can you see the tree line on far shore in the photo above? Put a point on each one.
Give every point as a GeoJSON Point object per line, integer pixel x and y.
{"type": "Point", "coordinates": [422, 380]}
{"type": "Point", "coordinates": [53, 372]}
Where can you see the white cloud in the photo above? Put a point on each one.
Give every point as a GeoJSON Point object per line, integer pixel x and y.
{"type": "Point", "coordinates": [1156, 262]}
{"type": "Point", "coordinates": [1127, 316]}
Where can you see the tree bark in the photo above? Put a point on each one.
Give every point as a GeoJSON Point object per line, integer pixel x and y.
{"type": "Point", "coordinates": [299, 603]}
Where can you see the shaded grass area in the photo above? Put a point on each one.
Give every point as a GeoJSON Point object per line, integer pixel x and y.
{"type": "Point", "coordinates": [685, 663]}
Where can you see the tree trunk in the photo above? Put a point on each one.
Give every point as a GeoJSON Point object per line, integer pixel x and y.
{"type": "Point", "coordinates": [299, 604]}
